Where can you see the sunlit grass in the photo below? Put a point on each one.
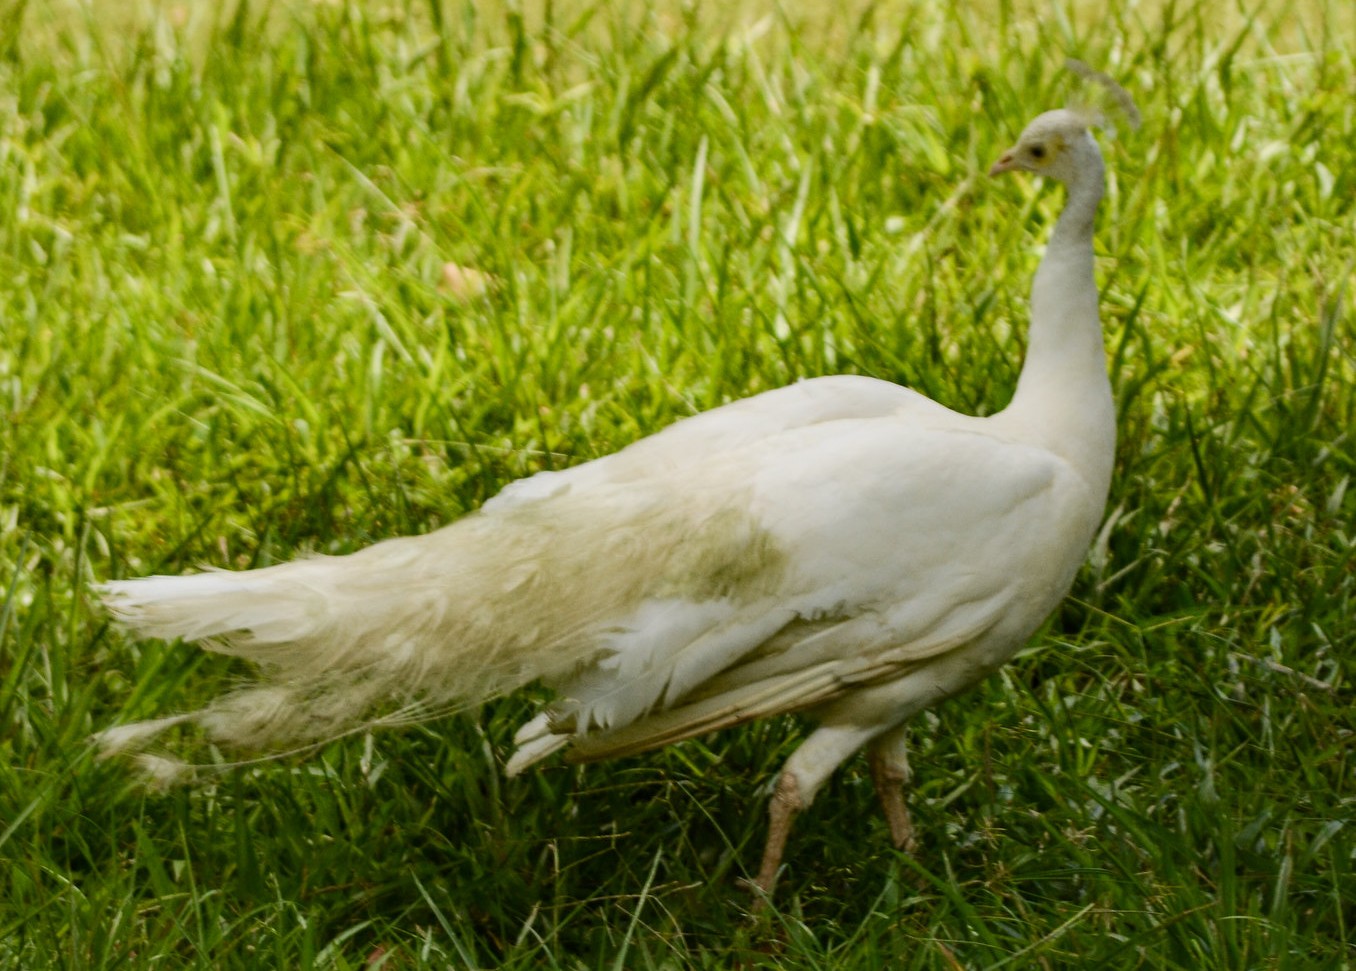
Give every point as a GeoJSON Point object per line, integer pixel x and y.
{"type": "Point", "coordinates": [228, 334]}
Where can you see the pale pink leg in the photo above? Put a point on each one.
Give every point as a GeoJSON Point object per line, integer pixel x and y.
{"type": "Point", "coordinates": [805, 771]}
{"type": "Point", "coordinates": [890, 772]}
{"type": "Point", "coordinates": [786, 802]}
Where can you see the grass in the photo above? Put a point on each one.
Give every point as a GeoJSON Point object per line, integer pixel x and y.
{"type": "Point", "coordinates": [228, 336]}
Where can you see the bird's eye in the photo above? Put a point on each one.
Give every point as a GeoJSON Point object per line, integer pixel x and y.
{"type": "Point", "coordinates": [1038, 151]}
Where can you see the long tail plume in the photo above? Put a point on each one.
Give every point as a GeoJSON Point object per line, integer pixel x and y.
{"type": "Point", "coordinates": [413, 628]}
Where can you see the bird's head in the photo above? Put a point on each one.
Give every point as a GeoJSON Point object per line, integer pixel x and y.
{"type": "Point", "coordinates": [1052, 145]}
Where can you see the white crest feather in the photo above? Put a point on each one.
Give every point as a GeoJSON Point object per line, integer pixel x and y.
{"type": "Point", "coordinates": [1119, 96]}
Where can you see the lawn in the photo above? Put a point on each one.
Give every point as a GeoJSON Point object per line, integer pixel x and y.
{"type": "Point", "coordinates": [298, 277]}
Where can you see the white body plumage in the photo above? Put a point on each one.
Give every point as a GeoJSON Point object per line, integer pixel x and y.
{"type": "Point", "coordinates": [842, 546]}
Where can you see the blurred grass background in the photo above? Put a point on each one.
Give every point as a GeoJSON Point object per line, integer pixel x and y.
{"type": "Point", "coordinates": [307, 275]}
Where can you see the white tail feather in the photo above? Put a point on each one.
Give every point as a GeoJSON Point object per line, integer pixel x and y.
{"type": "Point", "coordinates": [430, 623]}
{"type": "Point", "coordinates": [207, 605]}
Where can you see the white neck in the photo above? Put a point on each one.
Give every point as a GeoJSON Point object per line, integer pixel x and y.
{"type": "Point", "coordinates": [1063, 399]}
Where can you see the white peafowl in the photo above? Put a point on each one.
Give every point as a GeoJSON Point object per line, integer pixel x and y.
{"type": "Point", "coordinates": [844, 548]}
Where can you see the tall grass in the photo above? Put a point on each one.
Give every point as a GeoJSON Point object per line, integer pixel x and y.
{"type": "Point", "coordinates": [230, 335]}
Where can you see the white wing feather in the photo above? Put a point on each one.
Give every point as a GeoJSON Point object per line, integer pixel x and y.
{"type": "Point", "coordinates": [942, 536]}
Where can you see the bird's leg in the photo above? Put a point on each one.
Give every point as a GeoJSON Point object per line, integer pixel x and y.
{"type": "Point", "coordinates": [805, 771]}
{"type": "Point", "coordinates": [786, 802]}
{"type": "Point", "coordinates": [890, 772]}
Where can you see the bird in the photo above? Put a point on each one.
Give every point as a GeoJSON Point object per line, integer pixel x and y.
{"type": "Point", "coordinates": [843, 548]}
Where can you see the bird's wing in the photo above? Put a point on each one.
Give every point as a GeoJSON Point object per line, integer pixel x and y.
{"type": "Point", "coordinates": [888, 543]}
{"type": "Point", "coordinates": [746, 693]}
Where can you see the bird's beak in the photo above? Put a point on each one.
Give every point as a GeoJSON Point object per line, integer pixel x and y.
{"type": "Point", "coordinates": [1005, 164]}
